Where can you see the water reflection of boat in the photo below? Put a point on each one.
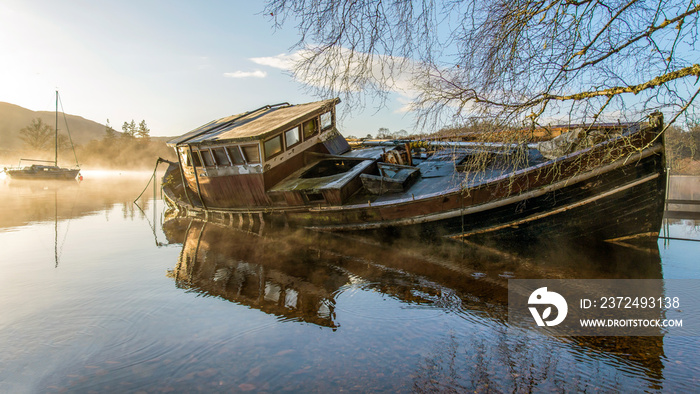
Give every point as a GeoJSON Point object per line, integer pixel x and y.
{"type": "Point", "coordinates": [297, 275]}
{"type": "Point", "coordinates": [289, 164]}
{"type": "Point", "coordinates": [26, 202]}
{"type": "Point", "coordinates": [259, 272]}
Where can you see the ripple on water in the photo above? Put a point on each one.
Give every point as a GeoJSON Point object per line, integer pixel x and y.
{"type": "Point", "coordinates": [384, 302]}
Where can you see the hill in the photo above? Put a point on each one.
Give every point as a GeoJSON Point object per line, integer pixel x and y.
{"type": "Point", "coordinates": [13, 118]}
{"type": "Point", "coordinates": [92, 149]}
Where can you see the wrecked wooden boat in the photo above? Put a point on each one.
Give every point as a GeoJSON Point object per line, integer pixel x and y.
{"type": "Point", "coordinates": [288, 165]}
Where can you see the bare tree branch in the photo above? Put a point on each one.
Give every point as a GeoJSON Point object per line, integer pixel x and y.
{"type": "Point", "coordinates": [511, 60]}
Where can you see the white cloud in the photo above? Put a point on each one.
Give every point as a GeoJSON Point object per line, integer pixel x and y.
{"type": "Point", "coordinates": [282, 61]}
{"type": "Point", "coordinates": [246, 74]}
{"type": "Point", "coordinates": [203, 63]}
{"type": "Point", "coordinates": [392, 74]}
{"type": "Point", "coordinates": [407, 105]}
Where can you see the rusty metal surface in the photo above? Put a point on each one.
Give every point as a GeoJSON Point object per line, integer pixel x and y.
{"type": "Point", "coordinates": [254, 126]}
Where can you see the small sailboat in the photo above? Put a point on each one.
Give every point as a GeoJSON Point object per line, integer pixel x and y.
{"type": "Point", "coordinates": [48, 170]}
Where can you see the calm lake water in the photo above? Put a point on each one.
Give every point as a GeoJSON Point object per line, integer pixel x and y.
{"type": "Point", "coordinates": [100, 295]}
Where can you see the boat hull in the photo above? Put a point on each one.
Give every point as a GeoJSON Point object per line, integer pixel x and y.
{"type": "Point", "coordinates": [60, 174]}
{"type": "Point", "coordinates": [623, 203]}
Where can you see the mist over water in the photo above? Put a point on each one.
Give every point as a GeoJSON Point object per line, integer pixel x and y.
{"type": "Point", "coordinates": [100, 294]}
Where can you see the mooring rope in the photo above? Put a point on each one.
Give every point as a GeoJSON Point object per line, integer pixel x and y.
{"type": "Point", "coordinates": [152, 178]}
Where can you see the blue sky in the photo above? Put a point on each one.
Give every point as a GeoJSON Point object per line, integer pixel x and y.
{"type": "Point", "coordinates": [176, 64]}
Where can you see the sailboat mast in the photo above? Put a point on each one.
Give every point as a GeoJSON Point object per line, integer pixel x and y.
{"type": "Point", "coordinates": [55, 159]}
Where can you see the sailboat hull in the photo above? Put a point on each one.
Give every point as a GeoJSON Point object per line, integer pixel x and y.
{"type": "Point", "coordinates": [43, 173]}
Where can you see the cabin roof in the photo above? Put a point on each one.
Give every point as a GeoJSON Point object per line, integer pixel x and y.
{"type": "Point", "coordinates": [253, 125]}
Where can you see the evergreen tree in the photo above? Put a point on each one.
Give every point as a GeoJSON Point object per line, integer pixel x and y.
{"type": "Point", "coordinates": [129, 129]}
{"type": "Point", "coordinates": [143, 131]}
{"type": "Point", "coordinates": [110, 133]}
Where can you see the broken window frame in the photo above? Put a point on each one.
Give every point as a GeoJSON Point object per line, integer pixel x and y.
{"type": "Point", "coordinates": [207, 157]}
{"type": "Point", "coordinates": [219, 159]}
{"type": "Point", "coordinates": [247, 157]}
{"type": "Point", "coordinates": [326, 123]}
{"type": "Point", "coordinates": [196, 159]}
{"type": "Point", "coordinates": [235, 155]}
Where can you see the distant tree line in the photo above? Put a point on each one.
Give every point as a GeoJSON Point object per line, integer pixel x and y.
{"type": "Point", "coordinates": [683, 149]}
{"type": "Point", "coordinates": [682, 144]}
{"type": "Point", "coordinates": [131, 149]}
{"type": "Point", "coordinates": [130, 130]}
{"type": "Point", "coordinates": [384, 133]}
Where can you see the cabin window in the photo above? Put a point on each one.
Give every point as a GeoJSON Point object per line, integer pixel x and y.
{"type": "Point", "coordinates": [326, 120]}
{"type": "Point", "coordinates": [291, 137]}
{"type": "Point", "coordinates": [235, 153]}
{"type": "Point", "coordinates": [221, 157]}
{"type": "Point", "coordinates": [310, 128]}
{"type": "Point", "coordinates": [207, 158]}
{"type": "Point", "coordinates": [251, 153]}
{"type": "Point", "coordinates": [273, 146]}
{"type": "Point", "coordinates": [195, 159]}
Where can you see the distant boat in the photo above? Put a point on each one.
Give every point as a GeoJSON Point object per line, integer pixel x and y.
{"type": "Point", "coordinates": [45, 171]}
{"type": "Point", "coordinates": [289, 165]}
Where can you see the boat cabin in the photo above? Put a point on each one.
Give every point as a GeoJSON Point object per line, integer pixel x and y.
{"type": "Point", "coordinates": [236, 161]}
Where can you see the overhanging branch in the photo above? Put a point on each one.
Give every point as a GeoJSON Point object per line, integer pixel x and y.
{"type": "Point", "coordinates": [693, 70]}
